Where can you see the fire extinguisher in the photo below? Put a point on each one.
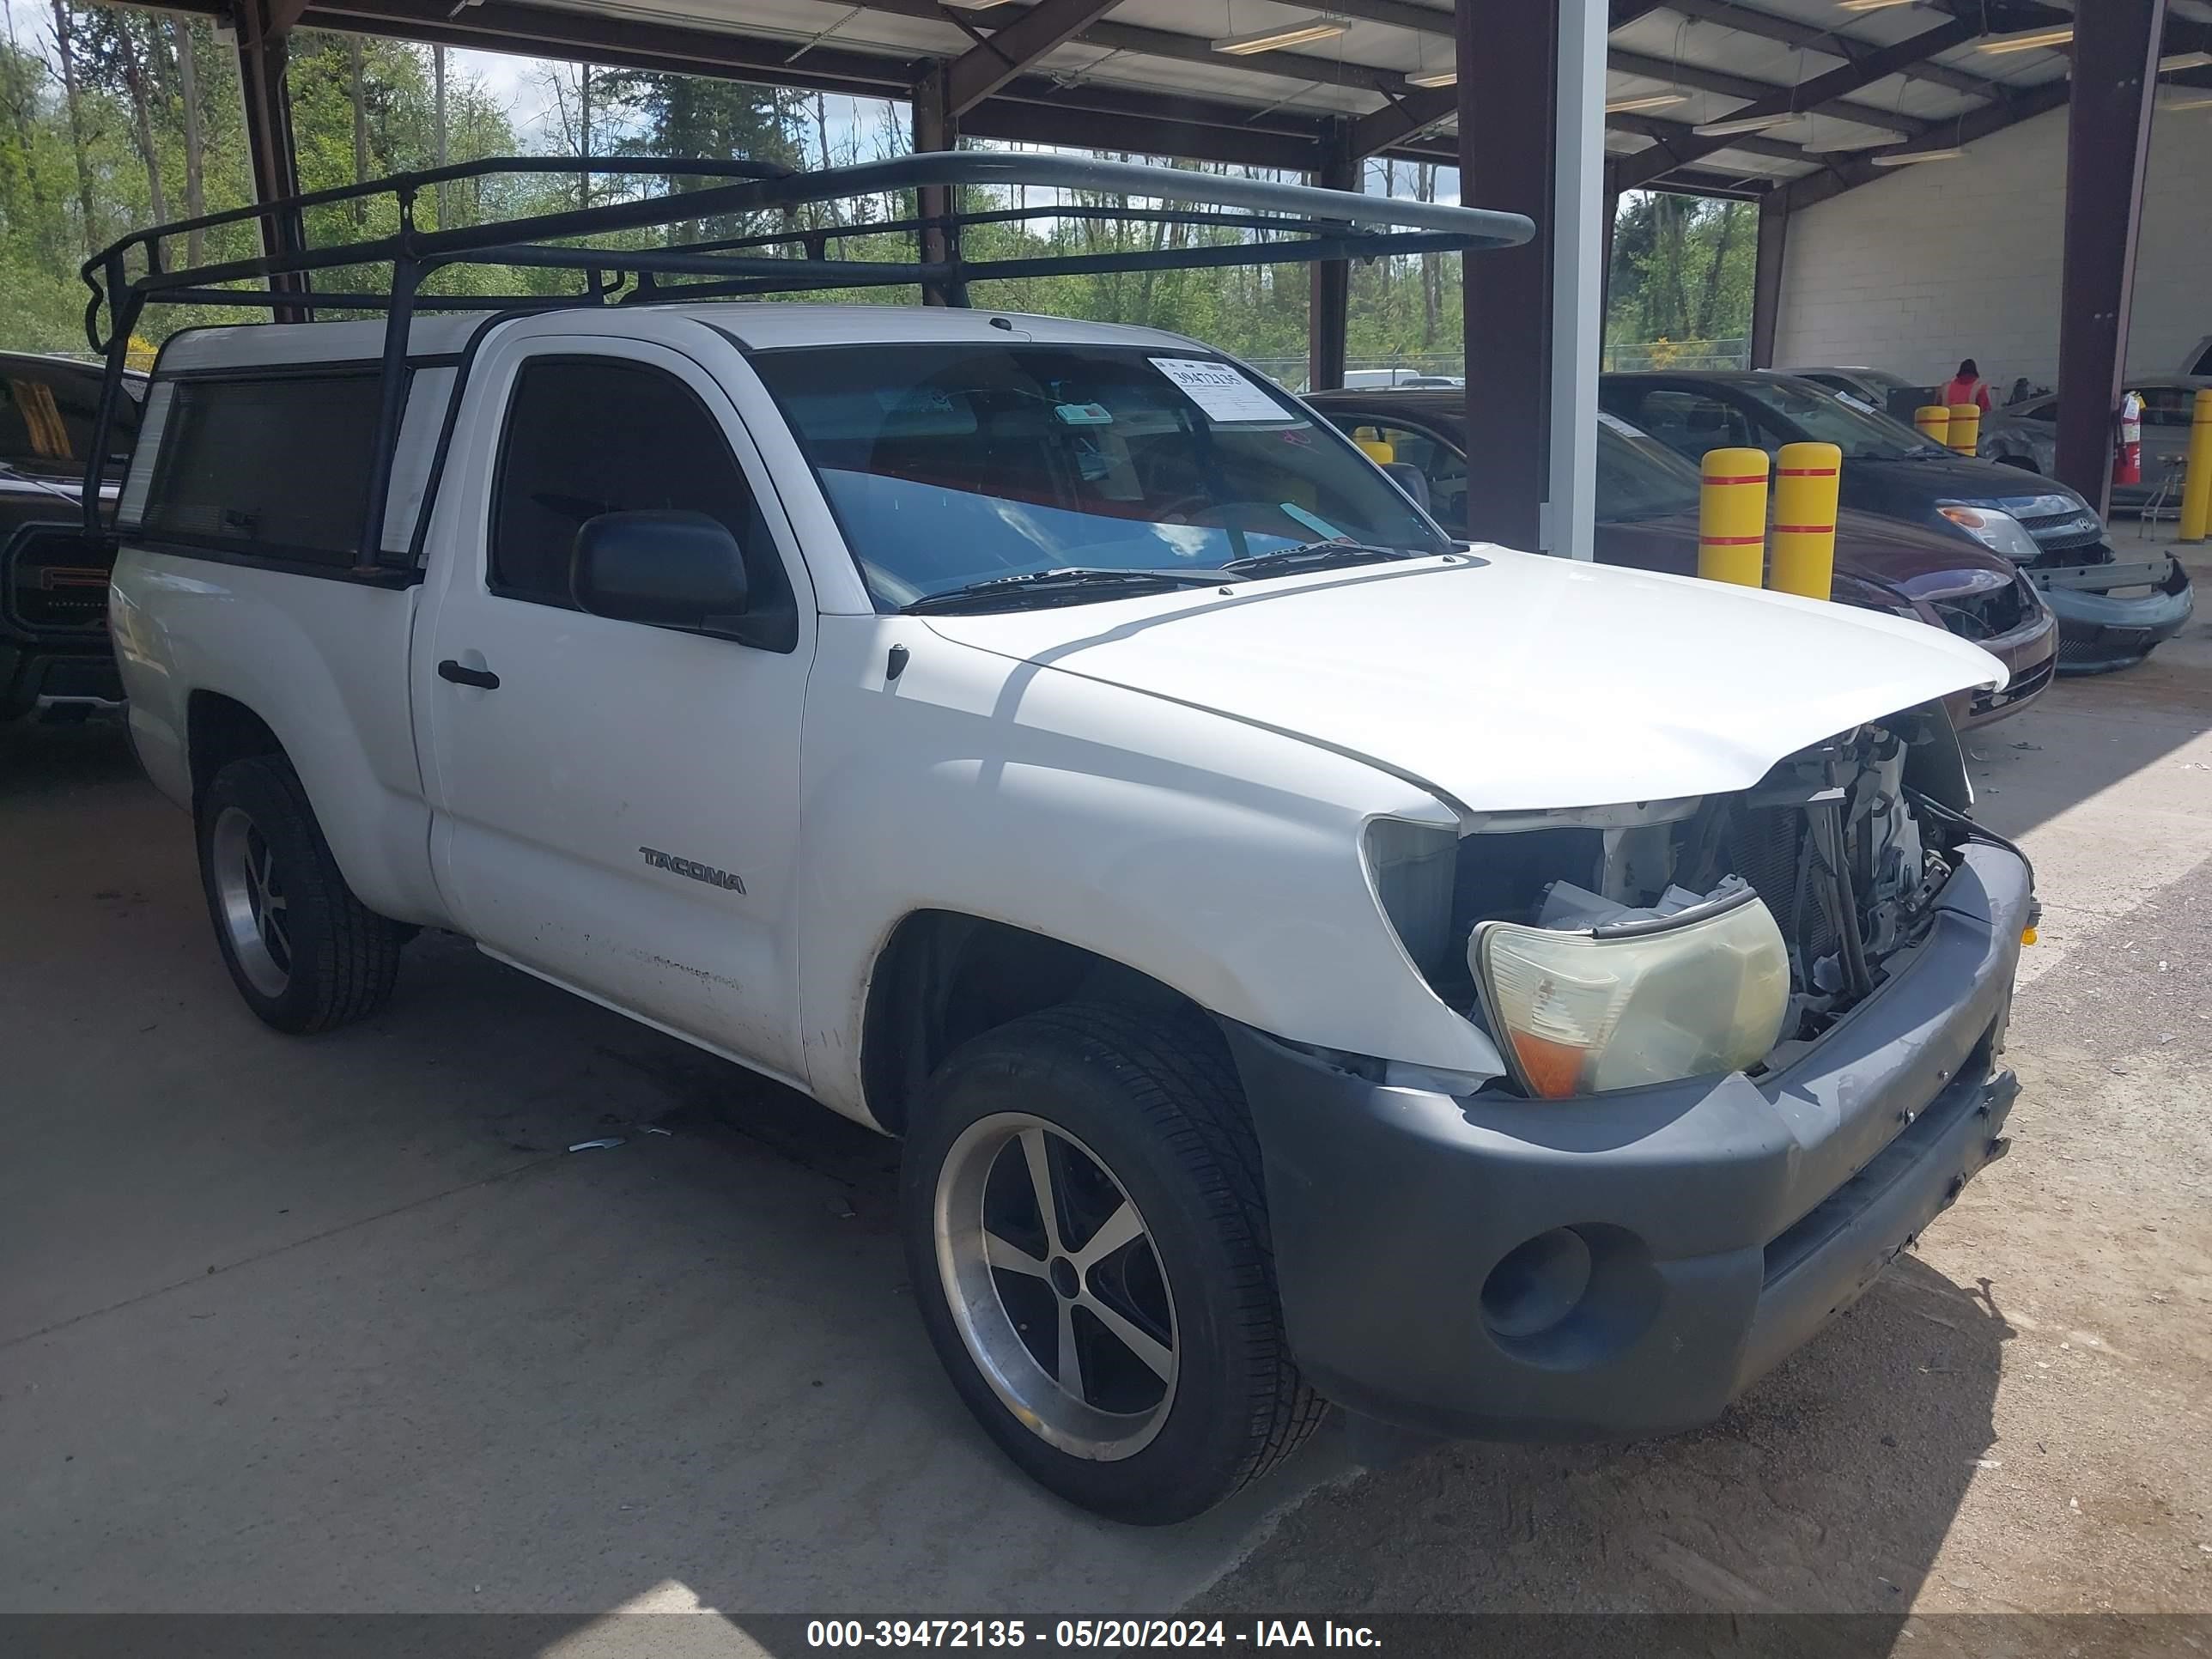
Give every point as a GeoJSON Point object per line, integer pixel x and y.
{"type": "Point", "coordinates": [2127, 442]}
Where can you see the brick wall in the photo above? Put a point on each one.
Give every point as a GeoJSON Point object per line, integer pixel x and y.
{"type": "Point", "coordinates": [1961, 259]}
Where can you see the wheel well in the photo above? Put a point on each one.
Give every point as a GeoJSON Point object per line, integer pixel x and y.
{"type": "Point", "coordinates": [221, 730]}
{"type": "Point", "coordinates": [944, 978]}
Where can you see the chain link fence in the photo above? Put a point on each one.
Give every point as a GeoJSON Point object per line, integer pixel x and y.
{"type": "Point", "coordinates": [1678, 354]}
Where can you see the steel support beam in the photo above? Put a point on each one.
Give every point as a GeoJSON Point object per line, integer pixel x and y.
{"type": "Point", "coordinates": [1791, 32]}
{"type": "Point", "coordinates": [2116, 51]}
{"type": "Point", "coordinates": [1329, 297]}
{"type": "Point", "coordinates": [989, 65]}
{"type": "Point", "coordinates": [1506, 99]}
{"type": "Point", "coordinates": [1699, 79]}
{"type": "Point", "coordinates": [261, 27]}
{"type": "Point", "coordinates": [936, 127]}
{"type": "Point", "coordinates": [1767, 275]}
{"type": "Point", "coordinates": [1531, 93]}
{"type": "Point", "coordinates": [1636, 171]}
{"type": "Point", "coordinates": [1843, 175]}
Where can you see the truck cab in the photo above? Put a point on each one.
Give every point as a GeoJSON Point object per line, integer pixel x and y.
{"type": "Point", "coordinates": [1054, 745]}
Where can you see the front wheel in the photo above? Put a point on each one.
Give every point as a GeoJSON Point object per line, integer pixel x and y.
{"type": "Point", "coordinates": [304, 952]}
{"type": "Point", "coordinates": [1088, 1242]}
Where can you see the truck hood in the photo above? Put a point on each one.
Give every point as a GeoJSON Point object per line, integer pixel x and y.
{"type": "Point", "coordinates": [1504, 681]}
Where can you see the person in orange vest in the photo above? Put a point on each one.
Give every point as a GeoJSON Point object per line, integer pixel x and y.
{"type": "Point", "coordinates": [1968, 387]}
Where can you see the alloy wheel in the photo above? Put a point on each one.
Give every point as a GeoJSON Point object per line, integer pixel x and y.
{"type": "Point", "coordinates": [1056, 1287]}
{"type": "Point", "coordinates": [251, 905]}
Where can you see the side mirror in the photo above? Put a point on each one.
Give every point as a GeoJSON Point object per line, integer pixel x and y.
{"type": "Point", "coordinates": [673, 569]}
{"type": "Point", "coordinates": [1411, 479]}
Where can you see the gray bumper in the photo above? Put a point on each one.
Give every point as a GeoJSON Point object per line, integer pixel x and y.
{"type": "Point", "coordinates": [2098, 631]}
{"type": "Point", "coordinates": [1718, 1223]}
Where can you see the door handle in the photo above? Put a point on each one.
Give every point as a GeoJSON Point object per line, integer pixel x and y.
{"type": "Point", "coordinates": [482, 678]}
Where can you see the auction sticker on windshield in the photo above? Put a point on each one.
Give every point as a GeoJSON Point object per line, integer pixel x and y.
{"type": "Point", "coordinates": [1224, 392]}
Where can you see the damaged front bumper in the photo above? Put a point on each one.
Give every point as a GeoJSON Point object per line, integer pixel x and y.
{"type": "Point", "coordinates": [2101, 630]}
{"type": "Point", "coordinates": [1626, 1264]}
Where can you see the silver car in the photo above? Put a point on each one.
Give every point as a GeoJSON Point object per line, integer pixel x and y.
{"type": "Point", "coordinates": [2169, 403]}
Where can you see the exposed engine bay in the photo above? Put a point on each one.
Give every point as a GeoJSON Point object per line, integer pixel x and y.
{"type": "Point", "coordinates": [1847, 843]}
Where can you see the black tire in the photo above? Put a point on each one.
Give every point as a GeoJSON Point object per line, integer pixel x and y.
{"type": "Point", "coordinates": [1151, 1095]}
{"type": "Point", "coordinates": [340, 957]}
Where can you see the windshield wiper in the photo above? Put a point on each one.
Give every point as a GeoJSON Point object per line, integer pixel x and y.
{"type": "Point", "coordinates": [1046, 583]}
{"type": "Point", "coordinates": [1317, 556]}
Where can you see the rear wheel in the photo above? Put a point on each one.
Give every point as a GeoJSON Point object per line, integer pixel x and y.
{"type": "Point", "coordinates": [304, 952]}
{"type": "Point", "coordinates": [1088, 1243]}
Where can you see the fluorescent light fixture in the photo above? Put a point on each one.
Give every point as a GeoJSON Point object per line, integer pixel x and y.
{"type": "Point", "coordinates": [1721, 128]}
{"type": "Point", "coordinates": [974, 5]}
{"type": "Point", "coordinates": [2202, 102]}
{"type": "Point", "coordinates": [2182, 60]}
{"type": "Point", "coordinates": [1871, 5]}
{"type": "Point", "coordinates": [2025, 39]}
{"type": "Point", "coordinates": [1657, 100]}
{"type": "Point", "coordinates": [1434, 78]}
{"type": "Point", "coordinates": [1289, 35]}
{"type": "Point", "coordinates": [1899, 158]}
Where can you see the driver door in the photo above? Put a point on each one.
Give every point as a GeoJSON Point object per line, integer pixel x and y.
{"type": "Point", "coordinates": [615, 803]}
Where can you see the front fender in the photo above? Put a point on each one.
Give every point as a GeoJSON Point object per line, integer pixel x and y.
{"type": "Point", "coordinates": [1220, 861]}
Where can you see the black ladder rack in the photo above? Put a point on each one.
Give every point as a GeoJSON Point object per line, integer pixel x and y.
{"type": "Point", "coordinates": [1285, 224]}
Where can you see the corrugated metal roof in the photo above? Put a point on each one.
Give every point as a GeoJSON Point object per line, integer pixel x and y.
{"type": "Point", "coordinates": [1145, 60]}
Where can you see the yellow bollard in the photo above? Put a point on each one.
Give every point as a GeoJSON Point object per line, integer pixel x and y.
{"type": "Point", "coordinates": [1732, 516]}
{"type": "Point", "coordinates": [1965, 429]}
{"type": "Point", "coordinates": [1374, 446]}
{"type": "Point", "coordinates": [1806, 479]}
{"type": "Point", "coordinates": [2197, 482]}
{"type": "Point", "coordinates": [1934, 421]}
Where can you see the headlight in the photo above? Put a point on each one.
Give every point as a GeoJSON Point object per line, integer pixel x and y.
{"type": "Point", "coordinates": [1704, 990]}
{"type": "Point", "coordinates": [1998, 532]}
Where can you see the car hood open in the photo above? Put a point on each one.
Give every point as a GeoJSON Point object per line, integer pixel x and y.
{"type": "Point", "coordinates": [1508, 681]}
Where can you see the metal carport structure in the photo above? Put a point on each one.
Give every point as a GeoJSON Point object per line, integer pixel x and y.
{"type": "Point", "coordinates": [1547, 107]}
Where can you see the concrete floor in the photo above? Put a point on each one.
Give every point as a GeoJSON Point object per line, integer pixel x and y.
{"type": "Point", "coordinates": [339, 1324]}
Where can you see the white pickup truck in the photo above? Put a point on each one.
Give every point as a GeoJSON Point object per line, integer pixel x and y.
{"type": "Point", "coordinates": [1307, 960]}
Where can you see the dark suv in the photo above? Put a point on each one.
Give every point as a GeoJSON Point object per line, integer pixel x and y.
{"type": "Point", "coordinates": [55, 660]}
{"type": "Point", "coordinates": [2110, 612]}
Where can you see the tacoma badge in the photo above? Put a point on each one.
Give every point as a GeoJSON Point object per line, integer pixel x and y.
{"type": "Point", "coordinates": [705, 873]}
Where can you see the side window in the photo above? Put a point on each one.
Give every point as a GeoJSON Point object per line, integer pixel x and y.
{"type": "Point", "coordinates": [1443, 466]}
{"type": "Point", "coordinates": [277, 466]}
{"type": "Point", "coordinates": [1759, 431]}
{"type": "Point", "coordinates": [2168, 405]}
{"type": "Point", "coordinates": [2047, 411]}
{"type": "Point", "coordinates": [1692, 422]}
{"type": "Point", "coordinates": [47, 412]}
{"type": "Point", "coordinates": [587, 435]}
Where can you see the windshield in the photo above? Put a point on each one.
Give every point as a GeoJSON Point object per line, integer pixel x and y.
{"type": "Point", "coordinates": [1824, 418]}
{"type": "Point", "coordinates": [951, 464]}
{"type": "Point", "coordinates": [1639, 476]}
